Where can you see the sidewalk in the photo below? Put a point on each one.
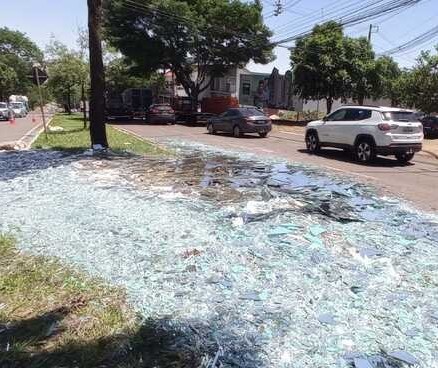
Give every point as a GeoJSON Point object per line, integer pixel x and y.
{"type": "Point", "coordinates": [430, 146]}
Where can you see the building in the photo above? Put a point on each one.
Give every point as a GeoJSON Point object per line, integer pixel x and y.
{"type": "Point", "coordinates": [250, 88]}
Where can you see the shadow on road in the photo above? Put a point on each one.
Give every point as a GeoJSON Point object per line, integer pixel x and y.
{"type": "Point", "coordinates": [229, 135]}
{"type": "Point", "coordinates": [339, 155]}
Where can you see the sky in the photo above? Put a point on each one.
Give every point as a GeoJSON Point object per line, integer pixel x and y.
{"type": "Point", "coordinates": [42, 19]}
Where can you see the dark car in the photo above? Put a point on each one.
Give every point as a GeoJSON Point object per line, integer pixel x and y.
{"type": "Point", "coordinates": [430, 126]}
{"type": "Point", "coordinates": [238, 121]}
{"type": "Point", "coordinates": [161, 114]}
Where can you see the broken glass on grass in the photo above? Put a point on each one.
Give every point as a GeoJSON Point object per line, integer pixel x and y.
{"type": "Point", "coordinates": [260, 263]}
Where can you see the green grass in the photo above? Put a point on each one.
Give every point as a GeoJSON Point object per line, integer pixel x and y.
{"type": "Point", "coordinates": [75, 138]}
{"type": "Point", "coordinates": [52, 316]}
{"type": "Point", "coordinates": [48, 306]}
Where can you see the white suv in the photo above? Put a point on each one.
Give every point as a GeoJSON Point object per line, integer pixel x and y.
{"type": "Point", "coordinates": [368, 131]}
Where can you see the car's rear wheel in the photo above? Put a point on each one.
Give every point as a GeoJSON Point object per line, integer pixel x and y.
{"type": "Point", "coordinates": [312, 142]}
{"type": "Point", "coordinates": [263, 135]}
{"type": "Point", "coordinates": [404, 157]}
{"type": "Point", "coordinates": [211, 129]}
{"type": "Point", "coordinates": [365, 151]}
{"type": "Point", "coordinates": [236, 132]}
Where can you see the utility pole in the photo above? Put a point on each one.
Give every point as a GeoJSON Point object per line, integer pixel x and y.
{"type": "Point", "coordinates": [97, 76]}
{"type": "Point", "coordinates": [37, 76]}
{"type": "Point", "coordinates": [373, 29]}
{"type": "Point", "coordinates": [278, 8]}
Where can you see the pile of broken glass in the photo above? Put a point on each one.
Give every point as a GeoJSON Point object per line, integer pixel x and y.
{"type": "Point", "coordinates": [246, 262]}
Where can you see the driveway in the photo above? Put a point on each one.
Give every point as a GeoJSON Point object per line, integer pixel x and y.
{"type": "Point", "coordinates": [415, 182]}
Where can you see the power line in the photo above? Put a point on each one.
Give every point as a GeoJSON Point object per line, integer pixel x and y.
{"type": "Point", "coordinates": [415, 42]}
{"type": "Point", "coordinates": [368, 11]}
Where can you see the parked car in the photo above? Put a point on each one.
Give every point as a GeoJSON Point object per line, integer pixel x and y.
{"type": "Point", "coordinates": [19, 109]}
{"type": "Point", "coordinates": [430, 126]}
{"type": "Point", "coordinates": [6, 113]}
{"type": "Point", "coordinates": [161, 114]}
{"type": "Point", "coordinates": [239, 121]}
{"type": "Point", "coordinates": [368, 131]}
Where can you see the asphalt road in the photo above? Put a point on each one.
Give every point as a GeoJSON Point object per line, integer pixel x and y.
{"type": "Point", "coordinates": [417, 182]}
{"type": "Point", "coordinates": [23, 129]}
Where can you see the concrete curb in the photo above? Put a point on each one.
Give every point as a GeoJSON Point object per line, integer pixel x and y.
{"type": "Point", "coordinates": [28, 145]}
{"type": "Point", "coordinates": [150, 141]}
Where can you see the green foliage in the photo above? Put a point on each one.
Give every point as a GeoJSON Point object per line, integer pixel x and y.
{"type": "Point", "coordinates": [8, 81]}
{"type": "Point", "coordinates": [319, 63]}
{"type": "Point", "coordinates": [332, 66]}
{"type": "Point", "coordinates": [389, 83]}
{"type": "Point", "coordinates": [120, 76]}
{"type": "Point", "coordinates": [17, 52]}
{"type": "Point", "coordinates": [361, 68]}
{"type": "Point", "coordinates": [67, 72]}
{"type": "Point", "coordinates": [184, 36]}
{"type": "Point", "coordinates": [422, 83]}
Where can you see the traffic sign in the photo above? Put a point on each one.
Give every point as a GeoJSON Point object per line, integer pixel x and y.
{"type": "Point", "coordinates": [39, 76]}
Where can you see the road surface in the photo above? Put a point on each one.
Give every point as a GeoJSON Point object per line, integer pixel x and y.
{"type": "Point", "coordinates": [22, 129]}
{"type": "Point", "coordinates": [417, 182]}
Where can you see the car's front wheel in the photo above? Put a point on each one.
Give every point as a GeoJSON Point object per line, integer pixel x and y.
{"type": "Point", "coordinates": [312, 142]}
{"type": "Point", "coordinates": [365, 151]}
{"type": "Point", "coordinates": [404, 157]}
{"type": "Point", "coordinates": [236, 132]}
{"type": "Point", "coordinates": [263, 135]}
{"type": "Point", "coordinates": [210, 129]}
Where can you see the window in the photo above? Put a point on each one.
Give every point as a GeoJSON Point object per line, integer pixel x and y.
{"type": "Point", "coordinates": [251, 112]}
{"type": "Point", "coordinates": [400, 116]}
{"type": "Point", "coordinates": [338, 115]}
{"type": "Point", "coordinates": [246, 88]}
{"type": "Point", "coordinates": [357, 114]}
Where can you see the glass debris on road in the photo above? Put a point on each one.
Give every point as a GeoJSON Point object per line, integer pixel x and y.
{"type": "Point", "coordinates": [257, 263]}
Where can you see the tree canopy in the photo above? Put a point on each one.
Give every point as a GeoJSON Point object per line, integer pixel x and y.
{"type": "Point", "coordinates": [318, 61]}
{"type": "Point", "coordinates": [196, 39]}
{"type": "Point", "coordinates": [329, 65]}
{"type": "Point", "coordinates": [17, 55]}
{"type": "Point", "coordinates": [421, 83]}
{"type": "Point", "coordinates": [67, 73]}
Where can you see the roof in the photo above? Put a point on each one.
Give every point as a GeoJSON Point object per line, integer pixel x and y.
{"type": "Point", "coordinates": [377, 108]}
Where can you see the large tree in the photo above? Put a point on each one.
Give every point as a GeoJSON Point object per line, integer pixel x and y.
{"type": "Point", "coordinates": [17, 52]}
{"type": "Point", "coordinates": [8, 81]}
{"type": "Point", "coordinates": [361, 68]}
{"type": "Point", "coordinates": [196, 39]}
{"type": "Point", "coordinates": [68, 72]}
{"type": "Point", "coordinates": [390, 80]}
{"type": "Point", "coordinates": [319, 65]}
{"type": "Point", "coordinates": [423, 83]}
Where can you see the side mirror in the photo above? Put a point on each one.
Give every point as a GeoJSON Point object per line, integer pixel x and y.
{"type": "Point", "coordinates": [325, 118]}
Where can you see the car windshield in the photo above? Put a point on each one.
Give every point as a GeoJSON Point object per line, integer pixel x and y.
{"type": "Point", "coordinates": [3, 105]}
{"type": "Point", "coordinates": [162, 107]}
{"type": "Point", "coordinates": [251, 112]}
{"type": "Point", "coordinates": [16, 105]}
{"type": "Point", "coordinates": [401, 116]}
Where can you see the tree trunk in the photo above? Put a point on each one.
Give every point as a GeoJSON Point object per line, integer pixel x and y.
{"type": "Point", "coordinates": [68, 102]}
{"type": "Point", "coordinates": [360, 100]}
{"type": "Point", "coordinates": [329, 104]}
{"type": "Point", "coordinates": [97, 75]}
{"type": "Point", "coordinates": [84, 104]}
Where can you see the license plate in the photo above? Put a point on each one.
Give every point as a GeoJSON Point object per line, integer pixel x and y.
{"type": "Point", "coordinates": [408, 130]}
